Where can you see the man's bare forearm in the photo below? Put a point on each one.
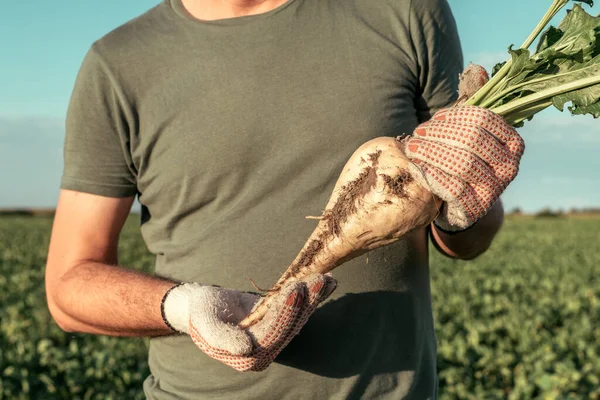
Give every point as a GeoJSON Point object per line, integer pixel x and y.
{"type": "Point", "coordinates": [474, 241]}
{"type": "Point", "coordinates": [97, 298]}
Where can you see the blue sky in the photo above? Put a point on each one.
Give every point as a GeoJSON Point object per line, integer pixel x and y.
{"type": "Point", "coordinates": [43, 42]}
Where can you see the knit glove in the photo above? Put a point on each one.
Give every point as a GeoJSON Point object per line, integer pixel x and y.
{"type": "Point", "coordinates": [210, 315]}
{"type": "Point", "coordinates": [467, 155]}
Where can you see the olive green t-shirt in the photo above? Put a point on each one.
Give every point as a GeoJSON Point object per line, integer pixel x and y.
{"type": "Point", "coordinates": [231, 132]}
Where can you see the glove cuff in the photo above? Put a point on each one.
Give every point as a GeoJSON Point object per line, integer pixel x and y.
{"type": "Point", "coordinates": [175, 306]}
{"type": "Point", "coordinates": [451, 225]}
{"type": "Point", "coordinates": [452, 219]}
{"type": "Point", "coordinates": [445, 227]}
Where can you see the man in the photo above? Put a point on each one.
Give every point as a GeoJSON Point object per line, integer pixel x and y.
{"type": "Point", "coordinates": [231, 120]}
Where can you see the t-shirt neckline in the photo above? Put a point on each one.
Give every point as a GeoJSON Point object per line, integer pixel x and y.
{"type": "Point", "coordinates": [182, 12]}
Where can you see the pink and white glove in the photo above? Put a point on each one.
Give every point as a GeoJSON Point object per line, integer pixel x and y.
{"type": "Point", "coordinates": [210, 316]}
{"type": "Point", "coordinates": [467, 155]}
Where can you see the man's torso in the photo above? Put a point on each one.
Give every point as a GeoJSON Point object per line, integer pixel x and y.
{"type": "Point", "coordinates": [241, 129]}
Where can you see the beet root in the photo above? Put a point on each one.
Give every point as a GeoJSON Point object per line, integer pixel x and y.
{"type": "Point", "coordinates": [378, 198]}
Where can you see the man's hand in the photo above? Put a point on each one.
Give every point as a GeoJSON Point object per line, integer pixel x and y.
{"type": "Point", "coordinates": [468, 155]}
{"type": "Point", "coordinates": [210, 316]}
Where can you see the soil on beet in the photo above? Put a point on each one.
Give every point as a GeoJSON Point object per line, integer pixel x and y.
{"type": "Point", "coordinates": [398, 184]}
{"type": "Point", "coordinates": [345, 206]}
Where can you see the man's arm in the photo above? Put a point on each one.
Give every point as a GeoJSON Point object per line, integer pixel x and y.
{"type": "Point", "coordinates": [88, 292]}
{"type": "Point", "coordinates": [86, 289]}
{"type": "Point", "coordinates": [474, 241]}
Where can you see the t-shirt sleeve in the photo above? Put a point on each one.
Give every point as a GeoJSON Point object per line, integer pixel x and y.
{"type": "Point", "coordinates": [439, 55]}
{"type": "Point", "coordinates": [96, 155]}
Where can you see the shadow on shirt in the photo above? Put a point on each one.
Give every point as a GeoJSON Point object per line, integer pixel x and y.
{"type": "Point", "coordinates": [366, 333]}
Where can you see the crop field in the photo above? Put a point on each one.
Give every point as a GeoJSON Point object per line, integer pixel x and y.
{"type": "Point", "coordinates": [520, 322]}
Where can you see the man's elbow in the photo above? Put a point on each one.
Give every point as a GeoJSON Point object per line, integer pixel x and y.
{"type": "Point", "coordinates": [63, 323]}
{"type": "Point", "coordinates": [473, 254]}
{"type": "Point", "coordinates": [464, 255]}
{"type": "Point", "coordinates": [60, 318]}
{"type": "Point", "coordinates": [462, 246]}
{"type": "Point", "coordinates": [58, 314]}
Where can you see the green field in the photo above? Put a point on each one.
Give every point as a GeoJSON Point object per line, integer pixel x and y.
{"type": "Point", "coordinates": [520, 322]}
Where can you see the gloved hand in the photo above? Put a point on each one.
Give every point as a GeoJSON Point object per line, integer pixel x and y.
{"type": "Point", "coordinates": [467, 155]}
{"type": "Point", "coordinates": [210, 316]}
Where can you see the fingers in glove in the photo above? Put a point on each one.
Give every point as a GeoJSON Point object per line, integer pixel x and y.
{"type": "Point", "coordinates": [488, 120]}
{"type": "Point", "coordinates": [453, 190]}
{"type": "Point", "coordinates": [289, 313]}
{"type": "Point", "coordinates": [483, 117]}
{"type": "Point", "coordinates": [320, 287]}
{"type": "Point", "coordinates": [501, 163]}
{"type": "Point", "coordinates": [485, 198]}
{"type": "Point", "coordinates": [470, 137]}
{"type": "Point", "coordinates": [466, 166]}
{"type": "Point", "coordinates": [270, 335]}
{"type": "Point", "coordinates": [281, 317]}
